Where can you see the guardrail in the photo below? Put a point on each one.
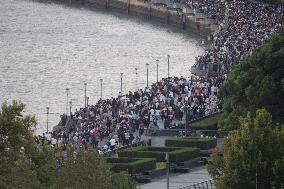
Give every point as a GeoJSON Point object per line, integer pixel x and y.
{"type": "Point", "coordinates": [208, 184]}
{"type": "Point", "coordinates": [186, 132]}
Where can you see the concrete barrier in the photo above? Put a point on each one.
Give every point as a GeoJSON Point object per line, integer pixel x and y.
{"type": "Point", "coordinates": [147, 10]}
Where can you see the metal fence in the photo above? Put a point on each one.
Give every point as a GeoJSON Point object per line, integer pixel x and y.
{"type": "Point", "coordinates": [209, 184]}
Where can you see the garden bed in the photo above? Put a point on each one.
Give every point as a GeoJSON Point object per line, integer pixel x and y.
{"type": "Point", "coordinates": [176, 154]}
{"type": "Point", "coordinates": [131, 165]}
{"type": "Point", "coordinates": [197, 142]}
{"type": "Point", "coordinates": [209, 123]}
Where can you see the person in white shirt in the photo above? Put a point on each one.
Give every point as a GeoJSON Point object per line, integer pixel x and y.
{"type": "Point", "coordinates": [48, 138]}
{"type": "Point", "coordinates": [53, 141]}
{"type": "Point", "coordinates": [112, 143]}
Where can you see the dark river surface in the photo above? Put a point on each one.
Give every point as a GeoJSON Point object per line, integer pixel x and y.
{"type": "Point", "coordinates": [46, 48]}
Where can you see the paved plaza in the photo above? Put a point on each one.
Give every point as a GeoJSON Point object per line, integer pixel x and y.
{"type": "Point", "coordinates": [177, 180]}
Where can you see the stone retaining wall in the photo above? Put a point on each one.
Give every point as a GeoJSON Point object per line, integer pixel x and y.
{"type": "Point", "coordinates": [186, 21]}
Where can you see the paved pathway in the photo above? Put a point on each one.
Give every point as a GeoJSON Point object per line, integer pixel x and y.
{"type": "Point", "coordinates": [177, 180]}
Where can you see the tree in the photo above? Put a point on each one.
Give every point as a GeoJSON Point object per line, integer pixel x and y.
{"type": "Point", "coordinates": [26, 165]}
{"type": "Point", "coordinates": [15, 129]}
{"type": "Point", "coordinates": [252, 155]}
{"type": "Point", "coordinates": [88, 170]}
{"type": "Point", "coordinates": [256, 83]}
{"type": "Point", "coordinates": [15, 133]}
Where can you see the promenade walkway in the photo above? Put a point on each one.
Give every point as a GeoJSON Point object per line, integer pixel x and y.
{"type": "Point", "coordinates": [178, 180]}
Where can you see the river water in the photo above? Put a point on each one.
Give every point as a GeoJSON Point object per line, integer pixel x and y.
{"type": "Point", "coordinates": [46, 48]}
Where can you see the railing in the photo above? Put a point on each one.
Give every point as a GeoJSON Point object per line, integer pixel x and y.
{"type": "Point", "coordinates": [208, 184]}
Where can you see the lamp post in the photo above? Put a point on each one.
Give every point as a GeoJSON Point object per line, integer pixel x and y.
{"type": "Point", "coordinates": [136, 79]}
{"type": "Point", "coordinates": [168, 65]}
{"type": "Point", "coordinates": [186, 117]}
{"type": "Point", "coordinates": [147, 66]}
{"type": "Point", "coordinates": [85, 84]}
{"type": "Point", "coordinates": [70, 108]}
{"type": "Point", "coordinates": [121, 75]}
{"type": "Point", "coordinates": [168, 170]}
{"type": "Point", "coordinates": [67, 93]}
{"type": "Point", "coordinates": [101, 88]}
{"type": "Point", "coordinates": [157, 61]}
{"type": "Point", "coordinates": [47, 113]}
{"type": "Point", "coordinates": [87, 101]}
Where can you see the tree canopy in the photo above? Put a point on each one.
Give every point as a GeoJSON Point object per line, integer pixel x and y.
{"type": "Point", "coordinates": [24, 164]}
{"type": "Point", "coordinates": [252, 155]}
{"type": "Point", "coordinates": [257, 82]}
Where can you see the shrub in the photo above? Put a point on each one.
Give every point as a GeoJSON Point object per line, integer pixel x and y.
{"type": "Point", "coordinates": [159, 153]}
{"type": "Point", "coordinates": [160, 165]}
{"type": "Point", "coordinates": [132, 165]}
{"type": "Point", "coordinates": [202, 143]}
{"type": "Point", "coordinates": [209, 123]}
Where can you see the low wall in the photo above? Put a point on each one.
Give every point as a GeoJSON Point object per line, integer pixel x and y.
{"type": "Point", "coordinates": [149, 11]}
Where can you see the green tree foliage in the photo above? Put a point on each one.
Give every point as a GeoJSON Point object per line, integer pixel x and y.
{"type": "Point", "coordinates": [257, 82]}
{"type": "Point", "coordinates": [253, 155]}
{"type": "Point", "coordinates": [79, 172]}
{"type": "Point", "coordinates": [15, 129]}
{"type": "Point", "coordinates": [24, 164]}
{"type": "Point", "coordinates": [15, 132]}
{"type": "Point", "coordinates": [17, 173]}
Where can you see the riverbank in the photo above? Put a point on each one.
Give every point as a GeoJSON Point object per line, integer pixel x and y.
{"type": "Point", "coordinates": [186, 22]}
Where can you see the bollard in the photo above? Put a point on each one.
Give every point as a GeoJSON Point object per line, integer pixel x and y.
{"type": "Point", "coordinates": [168, 16]}
{"type": "Point", "coordinates": [150, 10]}
{"type": "Point", "coordinates": [206, 184]}
{"type": "Point", "coordinates": [150, 142]}
{"type": "Point", "coordinates": [183, 21]}
{"type": "Point", "coordinates": [128, 7]}
{"type": "Point", "coordinates": [211, 183]}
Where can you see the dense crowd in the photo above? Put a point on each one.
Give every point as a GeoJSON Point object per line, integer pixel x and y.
{"type": "Point", "coordinates": [213, 9]}
{"type": "Point", "coordinates": [122, 121]}
{"type": "Point", "coordinates": [249, 24]}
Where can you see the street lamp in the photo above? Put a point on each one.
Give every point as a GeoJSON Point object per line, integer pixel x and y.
{"type": "Point", "coordinates": [136, 79]}
{"type": "Point", "coordinates": [101, 88]}
{"type": "Point", "coordinates": [157, 61]}
{"type": "Point", "coordinates": [147, 66]}
{"type": "Point", "coordinates": [168, 169]}
{"type": "Point", "coordinates": [67, 93]}
{"type": "Point", "coordinates": [85, 84]}
{"type": "Point", "coordinates": [47, 112]}
{"type": "Point", "coordinates": [121, 75]}
{"type": "Point", "coordinates": [168, 65]}
{"type": "Point", "coordinates": [186, 117]}
{"type": "Point", "coordinates": [70, 108]}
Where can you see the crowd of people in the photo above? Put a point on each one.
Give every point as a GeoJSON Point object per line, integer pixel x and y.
{"type": "Point", "coordinates": [248, 25]}
{"type": "Point", "coordinates": [213, 9]}
{"type": "Point", "coordinates": [122, 121]}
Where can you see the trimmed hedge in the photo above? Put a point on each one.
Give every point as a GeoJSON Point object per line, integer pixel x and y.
{"type": "Point", "coordinates": [176, 154]}
{"type": "Point", "coordinates": [132, 165]}
{"type": "Point", "coordinates": [209, 123]}
{"type": "Point", "coordinates": [202, 143]}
